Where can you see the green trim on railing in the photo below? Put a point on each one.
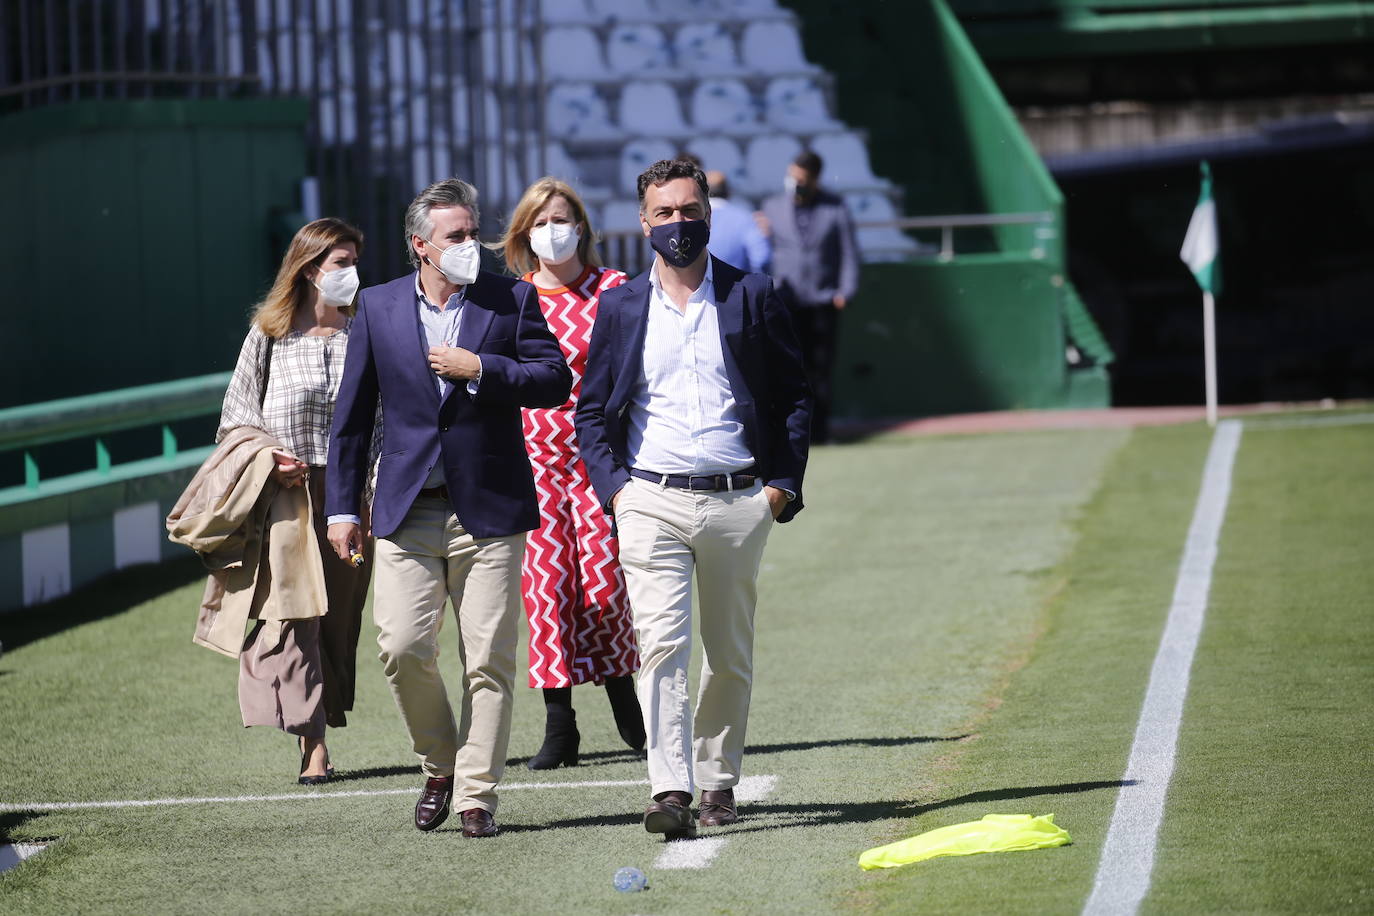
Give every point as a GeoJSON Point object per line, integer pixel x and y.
{"type": "Point", "coordinates": [111, 411]}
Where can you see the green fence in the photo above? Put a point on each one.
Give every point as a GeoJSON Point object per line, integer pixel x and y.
{"type": "Point", "coordinates": [60, 532]}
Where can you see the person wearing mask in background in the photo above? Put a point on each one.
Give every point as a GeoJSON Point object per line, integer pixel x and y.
{"type": "Point", "coordinates": [693, 422]}
{"type": "Point", "coordinates": [451, 353]}
{"type": "Point", "coordinates": [299, 676]}
{"type": "Point", "coordinates": [579, 613]}
{"type": "Point", "coordinates": [816, 268]}
{"type": "Point", "coordinates": [735, 235]}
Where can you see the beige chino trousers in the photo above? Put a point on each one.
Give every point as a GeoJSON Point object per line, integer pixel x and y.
{"type": "Point", "coordinates": [427, 562]}
{"type": "Point", "coordinates": [667, 538]}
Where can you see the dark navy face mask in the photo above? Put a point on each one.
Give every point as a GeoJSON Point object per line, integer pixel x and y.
{"type": "Point", "coordinates": [680, 243]}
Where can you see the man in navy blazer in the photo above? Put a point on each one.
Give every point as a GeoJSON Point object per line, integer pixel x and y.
{"type": "Point", "coordinates": [694, 426]}
{"type": "Point", "coordinates": [451, 354]}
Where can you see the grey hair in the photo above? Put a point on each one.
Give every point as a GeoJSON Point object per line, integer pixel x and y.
{"type": "Point", "coordinates": [451, 192]}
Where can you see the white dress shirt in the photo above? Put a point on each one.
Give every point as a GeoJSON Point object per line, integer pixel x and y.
{"type": "Point", "coordinates": [682, 415]}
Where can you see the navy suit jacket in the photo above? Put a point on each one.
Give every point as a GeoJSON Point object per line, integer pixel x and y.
{"type": "Point", "coordinates": [478, 438]}
{"type": "Point", "coordinates": [762, 361]}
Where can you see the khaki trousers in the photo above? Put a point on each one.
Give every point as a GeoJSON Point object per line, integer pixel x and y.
{"type": "Point", "coordinates": [424, 564]}
{"type": "Point", "coordinates": [666, 536]}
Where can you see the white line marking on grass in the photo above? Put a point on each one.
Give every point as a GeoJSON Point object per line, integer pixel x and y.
{"type": "Point", "coordinates": [701, 852]}
{"type": "Point", "coordinates": [1123, 875]}
{"type": "Point", "coordinates": [296, 796]}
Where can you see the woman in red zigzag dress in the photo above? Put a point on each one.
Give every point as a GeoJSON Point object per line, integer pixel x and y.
{"type": "Point", "coordinates": [579, 613]}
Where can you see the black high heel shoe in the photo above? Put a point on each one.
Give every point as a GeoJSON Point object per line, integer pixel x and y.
{"type": "Point", "coordinates": [312, 780]}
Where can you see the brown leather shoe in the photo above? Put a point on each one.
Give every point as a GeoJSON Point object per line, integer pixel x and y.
{"type": "Point", "coordinates": [477, 823]}
{"type": "Point", "coordinates": [432, 808]}
{"type": "Point", "coordinates": [717, 808]}
{"type": "Point", "coordinates": [671, 815]}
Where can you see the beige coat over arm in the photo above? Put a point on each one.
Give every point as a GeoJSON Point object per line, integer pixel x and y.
{"type": "Point", "coordinates": [255, 536]}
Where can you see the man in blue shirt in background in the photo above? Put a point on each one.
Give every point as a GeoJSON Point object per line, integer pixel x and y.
{"type": "Point", "coordinates": [735, 236]}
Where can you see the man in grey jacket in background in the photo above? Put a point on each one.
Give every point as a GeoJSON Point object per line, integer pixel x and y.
{"type": "Point", "coordinates": [816, 270]}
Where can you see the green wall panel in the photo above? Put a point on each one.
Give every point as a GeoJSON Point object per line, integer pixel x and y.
{"type": "Point", "coordinates": [167, 208]}
{"type": "Point", "coordinates": [936, 338]}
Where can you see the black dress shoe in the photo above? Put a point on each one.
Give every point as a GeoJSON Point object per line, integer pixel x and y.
{"type": "Point", "coordinates": [671, 815]}
{"type": "Point", "coordinates": [433, 807]}
{"type": "Point", "coordinates": [717, 808]}
{"type": "Point", "coordinates": [313, 780]}
{"type": "Point", "coordinates": [478, 823]}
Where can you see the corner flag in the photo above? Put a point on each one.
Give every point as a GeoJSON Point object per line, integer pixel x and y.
{"type": "Point", "coordinates": [1200, 248]}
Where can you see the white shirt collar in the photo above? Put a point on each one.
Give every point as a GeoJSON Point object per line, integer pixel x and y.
{"type": "Point", "coordinates": [461, 296]}
{"type": "Point", "coordinates": [706, 291]}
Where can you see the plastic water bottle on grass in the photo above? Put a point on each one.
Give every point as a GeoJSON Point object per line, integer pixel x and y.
{"type": "Point", "coordinates": [629, 880]}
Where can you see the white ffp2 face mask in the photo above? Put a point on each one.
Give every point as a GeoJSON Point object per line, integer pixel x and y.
{"type": "Point", "coordinates": [460, 262]}
{"type": "Point", "coordinates": [338, 286]}
{"type": "Point", "coordinates": [554, 243]}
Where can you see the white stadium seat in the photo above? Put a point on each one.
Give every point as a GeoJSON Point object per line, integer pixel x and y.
{"type": "Point", "coordinates": [565, 12]}
{"type": "Point", "coordinates": [577, 111]}
{"type": "Point", "coordinates": [798, 104]}
{"type": "Point", "coordinates": [766, 161]}
{"type": "Point", "coordinates": [621, 10]}
{"type": "Point", "coordinates": [879, 243]}
{"type": "Point", "coordinates": [720, 154]}
{"type": "Point", "coordinates": [724, 105]}
{"type": "Point", "coordinates": [634, 49]}
{"type": "Point", "coordinates": [773, 47]}
{"type": "Point", "coordinates": [707, 48]}
{"type": "Point", "coordinates": [651, 108]}
{"type": "Point", "coordinates": [620, 216]}
{"type": "Point", "coordinates": [846, 162]}
{"type": "Point", "coordinates": [572, 53]}
{"type": "Point", "coordinates": [638, 155]}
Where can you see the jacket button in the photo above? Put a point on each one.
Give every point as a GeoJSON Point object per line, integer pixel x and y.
{"type": "Point", "coordinates": [443, 429]}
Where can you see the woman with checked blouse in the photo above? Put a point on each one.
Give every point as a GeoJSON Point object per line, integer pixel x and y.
{"type": "Point", "coordinates": [579, 613]}
{"type": "Point", "coordinates": [285, 383]}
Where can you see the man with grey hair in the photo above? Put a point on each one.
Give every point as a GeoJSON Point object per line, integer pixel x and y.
{"type": "Point", "coordinates": [452, 353]}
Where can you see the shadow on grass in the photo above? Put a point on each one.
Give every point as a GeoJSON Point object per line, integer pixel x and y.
{"type": "Point", "coordinates": [11, 820]}
{"type": "Point", "coordinates": [108, 596]}
{"type": "Point", "coordinates": [847, 742]}
{"type": "Point", "coordinates": [411, 769]}
{"type": "Point", "coordinates": [592, 759]}
{"type": "Point", "coordinates": [765, 816]}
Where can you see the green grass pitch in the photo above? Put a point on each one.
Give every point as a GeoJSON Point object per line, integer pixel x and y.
{"type": "Point", "coordinates": [956, 626]}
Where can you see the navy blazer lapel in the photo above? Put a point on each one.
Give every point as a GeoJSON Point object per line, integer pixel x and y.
{"type": "Point", "coordinates": [634, 323]}
{"type": "Point", "coordinates": [473, 326]}
{"type": "Point", "coordinates": [729, 294]}
{"type": "Point", "coordinates": [476, 319]}
{"type": "Point", "coordinates": [409, 334]}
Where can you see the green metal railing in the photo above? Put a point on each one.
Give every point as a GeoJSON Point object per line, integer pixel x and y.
{"type": "Point", "coordinates": [27, 427]}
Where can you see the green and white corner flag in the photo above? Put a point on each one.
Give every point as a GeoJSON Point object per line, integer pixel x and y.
{"type": "Point", "coordinates": [1200, 247]}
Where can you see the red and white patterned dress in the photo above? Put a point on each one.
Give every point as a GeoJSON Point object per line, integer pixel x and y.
{"type": "Point", "coordinates": [575, 599]}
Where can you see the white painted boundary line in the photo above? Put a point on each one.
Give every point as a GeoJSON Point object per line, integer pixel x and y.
{"type": "Point", "coordinates": [297, 796]}
{"type": "Point", "coordinates": [1123, 875]}
{"type": "Point", "coordinates": [701, 852]}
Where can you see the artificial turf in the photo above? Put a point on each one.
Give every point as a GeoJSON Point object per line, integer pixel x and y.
{"type": "Point", "coordinates": [955, 626]}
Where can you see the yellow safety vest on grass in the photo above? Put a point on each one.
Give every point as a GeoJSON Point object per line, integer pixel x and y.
{"type": "Point", "coordinates": [994, 833]}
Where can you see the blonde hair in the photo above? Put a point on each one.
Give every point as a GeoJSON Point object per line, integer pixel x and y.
{"type": "Point", "coordinates": [515, 243]}
{"type": "Point", "coordinates": [311, 244]}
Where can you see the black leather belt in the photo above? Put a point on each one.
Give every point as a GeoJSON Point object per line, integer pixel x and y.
{"type": "Point", "coordinates": [439, 492]}
{"type": "Point", "coordinates": [704, 483]}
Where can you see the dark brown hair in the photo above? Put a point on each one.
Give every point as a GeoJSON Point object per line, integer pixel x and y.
{"type": "Point", "coordinates": [665, 170]}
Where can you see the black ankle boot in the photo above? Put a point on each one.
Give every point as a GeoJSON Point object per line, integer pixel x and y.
{"type": "Point", "coordinates": [629, 720]}
{"type": "Point", "coordinates": [560, 731]}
